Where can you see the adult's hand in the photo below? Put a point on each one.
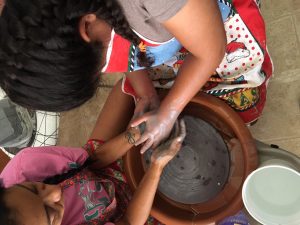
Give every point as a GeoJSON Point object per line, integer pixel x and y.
{"type": "Point", "coordinates": [167, 150]}
{"type": "Point", "coordinates": [157, 125]}
{"type": "Point", "coordinates": [145, 104]}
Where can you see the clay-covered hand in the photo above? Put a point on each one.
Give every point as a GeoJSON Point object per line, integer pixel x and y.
{"type": "Point", "coordinates": [157, 127]}
{"type": "Point", "coordinates": [167, 150]}
{"type": "Point", "coordinates": [145, 104]}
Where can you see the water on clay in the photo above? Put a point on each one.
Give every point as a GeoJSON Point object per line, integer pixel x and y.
{"type": "Point", "coordinates": [201, 168]}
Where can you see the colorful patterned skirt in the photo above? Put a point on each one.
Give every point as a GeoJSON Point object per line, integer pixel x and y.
{"type": "Point", "coordinates": [241, 78]}
{"type": "Point", "coordinates": [117, 189]}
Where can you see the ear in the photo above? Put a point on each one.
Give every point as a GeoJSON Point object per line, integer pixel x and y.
{"type": "Point", "coordinates": [85, 25]}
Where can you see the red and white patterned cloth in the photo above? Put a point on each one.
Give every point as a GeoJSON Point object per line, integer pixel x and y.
{"type": "Point", "coordinates": [241, 78]}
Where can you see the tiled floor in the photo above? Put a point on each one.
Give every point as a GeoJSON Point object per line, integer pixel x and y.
{"type": "Point", "coordinates": [76, 125]}
{"type": "Point", "coordinates": [280, 122]}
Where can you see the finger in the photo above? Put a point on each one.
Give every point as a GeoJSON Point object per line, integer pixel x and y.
{"type": "Point", "coordinates": [175, 146]}
{"type": "Point", "coordinates": [178, 143]}
{"type": "Point", "coordinates": [182, 133]}
{"type": "Point", "coordinates": [59, 215]}
{"type": "Point", "coordinates": [142, 139]}
{"type": "Point", "coordinates": [154, 104]}
{"type": "Point", "coordinates": [139, 120]}
{"type": "Point", "coordinates": [147, 145]}
{"type": "Point", "coordinates": [142, 127]}
{"type": "Point", "coordinates": [176, 128]}
{"type": "Point", "coordinates": [172, 134]}
{"type": "Point", "coordinates": [156, 143]}
{"type": "Point", "coordinates": [140, 108]}
{"type": "Point", "coordinates": [136, 114]}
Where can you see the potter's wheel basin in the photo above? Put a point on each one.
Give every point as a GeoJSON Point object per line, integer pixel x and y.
{"type": "Point", "coordinates": [243, 160]}
{"type": "Point", "coordinates": [200, 169]}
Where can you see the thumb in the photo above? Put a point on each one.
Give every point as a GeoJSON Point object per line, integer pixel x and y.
{"type": "Point", "coordinates": [176, 145]}
{"type": "Point", "coordinates": [140, 108]}
{"type": "Point", "coordinates": [146, 146]}
{"type": "Point", "coordinates": [137, 121]}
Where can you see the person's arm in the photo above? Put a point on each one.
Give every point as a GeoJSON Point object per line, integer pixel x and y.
{"type": "Point", "coordinates": [111, 128]}
{"type": "Point", "coordinates": [141, 83]}
{"type": "Point", "coordinates": [139, 207]}
{"type": "Point", "coordinates": [114, 148]}
{"type": "Point", "coordinates": [199, 28]}
{"type": "Point", "coordinates": [147, 98]}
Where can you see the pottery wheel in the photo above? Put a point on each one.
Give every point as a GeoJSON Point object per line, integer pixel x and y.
{"type": "Point", "coordinates": [201, 168]}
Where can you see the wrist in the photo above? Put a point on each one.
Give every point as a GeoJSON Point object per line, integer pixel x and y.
{"type": "Point", "coordinates": [150, 96]}
{"type": "Point", "coordinates": [174, 104]}
{"type": "Point", "coordinates": [132, 134]}
{"type": "Point", "coordinates": [171, 113]}
{"type": "Point", "coordinates": [156, 167]}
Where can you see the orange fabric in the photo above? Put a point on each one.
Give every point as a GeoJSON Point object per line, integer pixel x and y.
{"type": "Point", "coordinates": [4, 159]}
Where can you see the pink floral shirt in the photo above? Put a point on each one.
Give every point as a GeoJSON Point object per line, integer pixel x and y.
{"type": "Point", "coordinates": [86, 199]}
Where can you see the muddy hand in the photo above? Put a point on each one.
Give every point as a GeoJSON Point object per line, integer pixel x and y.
{"type": "Point", "coordinates": [167, 150]}
{"type": "Point", "coordinates": [145, 104]}
{"type": "Point", "coordinates": [158, 128]}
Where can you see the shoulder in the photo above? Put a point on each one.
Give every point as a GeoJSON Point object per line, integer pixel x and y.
{"type": "Point", "coordinates": [35, 164]}
{"type": "Point", "coordinates": [164, 9]}
{"type": "Point", "coordinates": [53, 154]}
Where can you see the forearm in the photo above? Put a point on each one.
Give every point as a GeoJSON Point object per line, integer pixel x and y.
{"type": "Point", "coordinates": [192, 76]}
{"type": "Point", "coordinates": [139, 207]}
{"type": "Point", "coordinates": [206, 41]}
{"type": "Point", "coordinates": [141, 83]}
{"type": "Point", "coordinates": [114, 148]}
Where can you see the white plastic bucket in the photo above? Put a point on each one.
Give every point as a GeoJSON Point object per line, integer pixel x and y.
{"type": "Point", "coordinates": [271, 194]}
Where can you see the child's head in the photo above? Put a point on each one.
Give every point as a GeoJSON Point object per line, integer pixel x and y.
{"type": "Point", "coordinates": [45, 63]}
{"type": "Point", "coordinates": [31, 203]}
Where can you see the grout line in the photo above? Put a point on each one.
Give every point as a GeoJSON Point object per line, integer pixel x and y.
{"type": "Point", "coordinates": [286, 76]}
{"type": "Point", "coordinates": [105, 86]}
{"type": "Point", "coordinates": [295, 27]}
{"type": "Point", "coordinates": [273, 21]}
{"type": "Point", "coordinates": [280, 139]}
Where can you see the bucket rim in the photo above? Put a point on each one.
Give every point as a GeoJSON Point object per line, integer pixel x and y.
{"type": "Point", "coordinates": [244, 189]}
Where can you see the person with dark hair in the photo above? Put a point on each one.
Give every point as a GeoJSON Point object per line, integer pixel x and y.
{"type": "Point", "coordinates": [63, 185]}
{"type": "Point", "coordinates": [51, 53]}
{"type": "Point", "coordinates": [45, 61]}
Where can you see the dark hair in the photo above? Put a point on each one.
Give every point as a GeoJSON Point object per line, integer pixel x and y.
{"type": "Point", "coordinates": [44, 62]}
{"type": "Point", "coordinates": [6, 214]}
{"type": "Point", "coordinates": [56, 179]}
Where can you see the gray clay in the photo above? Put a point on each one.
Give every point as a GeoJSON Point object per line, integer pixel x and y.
{"type": "Point", "coordinates": [200, 170]}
